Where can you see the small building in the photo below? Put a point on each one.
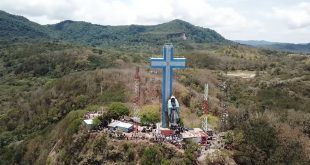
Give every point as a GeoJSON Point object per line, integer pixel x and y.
{"type": "Point", "coordinates": [166, 131]}
{"type": "Point", "coordinates": [136, 119]}
{"type": "Point", "coordinates": [125, 127]}
{"type": "Point", "coordinates": [196, 135]}
{"type": "Point", "coordinates": [89, 123]}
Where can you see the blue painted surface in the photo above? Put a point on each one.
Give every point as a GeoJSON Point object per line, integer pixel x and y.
{"type": "Point", "coordinates": [167, 65]}
{"type": "Point", "coordinates": [163, 102]}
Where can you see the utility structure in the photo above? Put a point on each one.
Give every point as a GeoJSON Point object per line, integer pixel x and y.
{"type": "Point", "coordinates": [205, 107]}
{"type": "Point", "coordinates": [224, 115]}
{"type": "Point", "coordinates": [136, 101]}
{"type": "Point", "coordinates": [167, 63]}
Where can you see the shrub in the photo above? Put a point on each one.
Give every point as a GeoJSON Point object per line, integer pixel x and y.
{"type": "Point", "coordinates": [96, 122]}
{"type": "Point", "coordinates": [100, 144]}
{"type": "Point", "coordinates": [130, 155]}
{"type": "Point", "coordinates": [115, 93]}
{"type": "Point", "coordinates": [191, 153]}
{"type": "Point", "coordinates": [74, 126]}
{"type": "Point", "coordinates": [259, 144]}
{"type": "Point", "coordinates": [150, 114]}
{"type": "Point", "coordinates": [116, 110]}
{"type": "Point", "coordinates": [216, 158]}
{"type": "Point", "coordinates": [152, 156]}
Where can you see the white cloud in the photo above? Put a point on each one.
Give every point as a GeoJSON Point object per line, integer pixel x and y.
{"type": "Point", "coordinates": [223, 19]}
{"type": "Point", "coordinates": [118, 12]}
{"type": "Point", "coordinates": [295, 17]}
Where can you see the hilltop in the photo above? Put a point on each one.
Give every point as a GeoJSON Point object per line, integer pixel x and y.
{"type": "Point", "coordinates": [13, 28]}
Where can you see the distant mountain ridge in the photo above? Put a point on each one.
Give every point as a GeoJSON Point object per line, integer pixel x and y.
{"type": "Point", "coordinates": [255, 42]}
{"type": "Point", "coordinates": [288, 47]}
{"type": "Point", "coordinates": [298, 48]}
{"type": "Point", "coordinates": [19, 28]}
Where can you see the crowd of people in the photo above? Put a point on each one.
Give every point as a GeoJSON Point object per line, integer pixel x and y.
{"type": "Point", "coordinates": [149, 132]}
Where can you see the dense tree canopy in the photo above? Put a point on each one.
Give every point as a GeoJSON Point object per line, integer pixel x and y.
{"type": "Point", "coordinates": [117, 110]}
{"type": "Point", "coordinates": [150, 114]}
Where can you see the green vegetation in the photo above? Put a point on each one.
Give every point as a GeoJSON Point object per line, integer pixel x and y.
{"type": "Point", "coordinates": [100, 144]}
{"type": "Point", "coordinates": [106, 36]}
{"type": "Point", "coordinates": [150, 114]}
{"type": "Point", "coordinates": [259, 143]}
{"type": "Point", "coordinates": [297, 48]}
{"type": "Point", "coordinates": [152, 156]}
{"type": "Point", "coordinates": [96, 121]}
{"type": "Point", "coordinates": [65, 70]}
{"type": "Point", "coordinates": [14, 28]}
{"type": "Point", "coordinates": [191, 153]}
{"type": "Point", "coordinates": [117, 110]}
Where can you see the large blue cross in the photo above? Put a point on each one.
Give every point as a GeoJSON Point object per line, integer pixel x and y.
{"type": "Point", "coordinates": [167, 63]}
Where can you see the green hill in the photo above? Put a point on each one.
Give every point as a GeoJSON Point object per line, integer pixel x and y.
{"type": "Point", "coordinates": [47, 87]}
{"type": "Point", "coordinates": [14, 28]}
{"type": "Point", "coordinates": [288, 47]}
{"type": "Point", "coordinates": [19, 28]}
{"type": "Point", "coordinates": [98, 35]}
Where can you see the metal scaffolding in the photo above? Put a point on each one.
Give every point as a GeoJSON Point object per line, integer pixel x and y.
{"type": "Point", "coordinates": [205, 109]}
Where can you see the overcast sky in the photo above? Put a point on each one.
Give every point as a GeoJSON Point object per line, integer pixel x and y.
{"type": "Point", "coordinates": [272, 20]}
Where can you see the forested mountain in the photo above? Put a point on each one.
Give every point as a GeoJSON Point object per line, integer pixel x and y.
{"type": "Point", "coordinates": [13, 28]}
{"type": "Point", "coordinates": [52, 76]}
{"type": "Point", "coordinates": [288, 47]}
{"type": "Point", "coordinates": [298, 48]}
{"type": "Point", "coordinates": [19, 28]}
{"type": "Point", "coordinates": [255, 42]}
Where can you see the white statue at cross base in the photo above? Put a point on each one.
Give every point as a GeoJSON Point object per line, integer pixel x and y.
{"type": "Point", "coordinates": [173, 111]}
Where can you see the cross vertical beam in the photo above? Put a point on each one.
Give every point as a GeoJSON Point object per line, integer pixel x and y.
{"type": "Point", "coordinates": [167, 63]}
